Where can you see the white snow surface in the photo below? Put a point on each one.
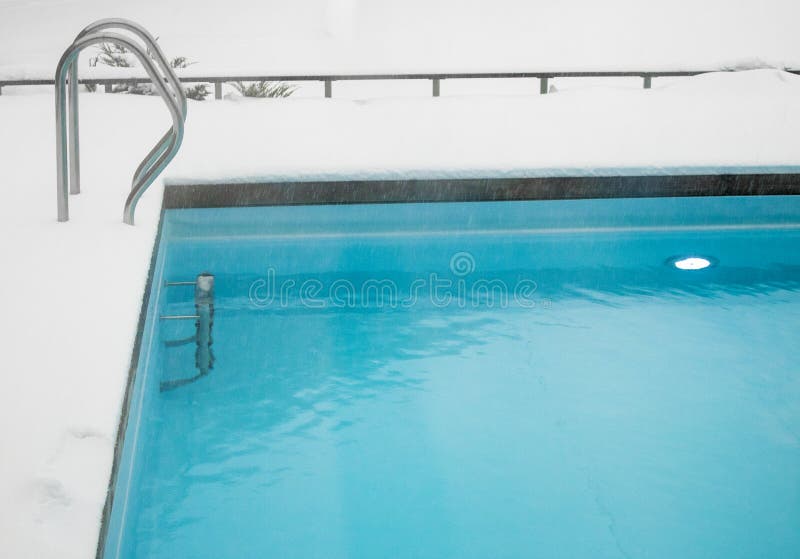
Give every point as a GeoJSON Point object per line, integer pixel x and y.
{"type": "Point", "coordinates": [743, 121]}
{"type": "Point", "coordinates": [385, 36]}
{"type": "Point", "coordinates": [72, 291]}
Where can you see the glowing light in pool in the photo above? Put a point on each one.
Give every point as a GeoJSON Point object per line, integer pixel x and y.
{"type": "Point", "coordinates": [691, 263]}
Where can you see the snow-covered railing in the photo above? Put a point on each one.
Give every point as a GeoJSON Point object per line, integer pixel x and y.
{"type": "Point", "coordinates": [125, 77]}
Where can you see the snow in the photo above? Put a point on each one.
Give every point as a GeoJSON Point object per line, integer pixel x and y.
{"type": "Point", "coordinates": [743, 121]}
{"type": "Point", "coordinates": [72, 292]}
{"type": "Point", "coordinates": [385, 36]}
{"type": "Point", "coordinates": [71, 298]}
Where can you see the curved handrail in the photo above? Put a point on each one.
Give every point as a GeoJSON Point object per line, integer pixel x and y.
{"type": "Point", "coordinates": [141, 182]}
{"type": "Point", "coordinates": [152, 44]}
{"type": "Point", "coordinates": [170, 77]}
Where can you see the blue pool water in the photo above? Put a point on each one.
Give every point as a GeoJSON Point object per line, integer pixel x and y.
{"type": "Point", "coordinates": [512, 379]}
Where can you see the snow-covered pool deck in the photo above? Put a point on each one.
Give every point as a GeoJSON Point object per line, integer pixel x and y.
{"type": "Point", "coordinates": [73, 291]}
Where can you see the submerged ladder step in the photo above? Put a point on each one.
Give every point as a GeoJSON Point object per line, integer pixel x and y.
{"type": "Point", "coordinates": [204, 307]}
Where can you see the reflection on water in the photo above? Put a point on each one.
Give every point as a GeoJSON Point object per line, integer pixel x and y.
{"type": "Point", "coordinates": [362, 434]}
{"type": "Point", "coordinates": [642, 413]}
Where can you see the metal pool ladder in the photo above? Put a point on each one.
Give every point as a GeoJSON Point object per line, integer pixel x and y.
{"type": "Point", "coordinates": [66, 79]}
{"type": "Point", "coordinates": [204, 323]}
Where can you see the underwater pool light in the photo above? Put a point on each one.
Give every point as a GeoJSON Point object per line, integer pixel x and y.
{"type": "Point", "coordinates": [691, 263]}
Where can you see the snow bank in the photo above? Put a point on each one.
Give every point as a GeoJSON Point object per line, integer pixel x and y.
{"type": "Point", "coordinates": [743, 121]}
{"type": "Point", "coordinates": [72, 291]}
{"type": "Point", "coordinates": [71, 298]}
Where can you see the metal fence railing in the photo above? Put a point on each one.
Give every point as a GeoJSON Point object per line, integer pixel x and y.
{"type": "Point", "coordinates": [435, 78]}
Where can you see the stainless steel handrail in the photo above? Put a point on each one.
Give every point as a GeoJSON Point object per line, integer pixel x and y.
{"type": "Point", "coordinates": [167, 85]}
{"type": "Point", "coordinates": [171, 78]}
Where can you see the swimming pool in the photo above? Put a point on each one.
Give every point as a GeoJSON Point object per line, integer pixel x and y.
{"type": "Point", "coordinates": [483, 379]}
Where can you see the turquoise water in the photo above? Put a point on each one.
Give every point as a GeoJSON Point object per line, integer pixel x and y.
{"type": "Point", "coordinates": [515, 379]}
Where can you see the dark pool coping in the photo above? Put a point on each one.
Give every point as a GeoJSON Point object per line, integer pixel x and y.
{"type": "Point", "coordinates": [219, 195]}
{"type": "Point", "coordinates": [126, 401]}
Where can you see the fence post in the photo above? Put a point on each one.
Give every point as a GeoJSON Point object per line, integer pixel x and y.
{"type": "Point", "coordinates": [217, 90]}
{"type": "Point", "coordinates": [543, 85]}
{"type": "Point", "coordinates": [108, 88]}
{"type": "Point", "coordinates": [436, 87]}
{"type": "Point", "coordinates": [328, 89]}
{"type": "Point", "coordinates": [647, 81]}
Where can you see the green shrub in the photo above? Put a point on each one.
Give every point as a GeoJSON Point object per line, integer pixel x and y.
{"type": "Point", "coordinates": [197, 92]}
{"type": "Point", "coordinates": [264, 89]}
{"type": "Point", "coordinates": [118, 56]}
{"type": "Point", "coordinates": [112, 54]}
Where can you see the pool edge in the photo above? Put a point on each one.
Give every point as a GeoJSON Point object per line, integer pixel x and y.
{"type": "Point", "coordinates": [119, 442]}
{"type": "Point", "coordinates": [179, 195]}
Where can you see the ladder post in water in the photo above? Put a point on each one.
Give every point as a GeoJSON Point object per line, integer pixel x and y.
{"type": "Point", "coordinates": [204, 322]}
{"type": "Point", "coordinates": [204, 307]}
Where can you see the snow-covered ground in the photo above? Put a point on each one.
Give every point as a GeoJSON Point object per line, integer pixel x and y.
{"type": "Point", "coordinates": [72, 294]}
{"type": "Point", "coordinates": [72, 291]}
{"type": "Point", "coordinates": [742, 120]}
